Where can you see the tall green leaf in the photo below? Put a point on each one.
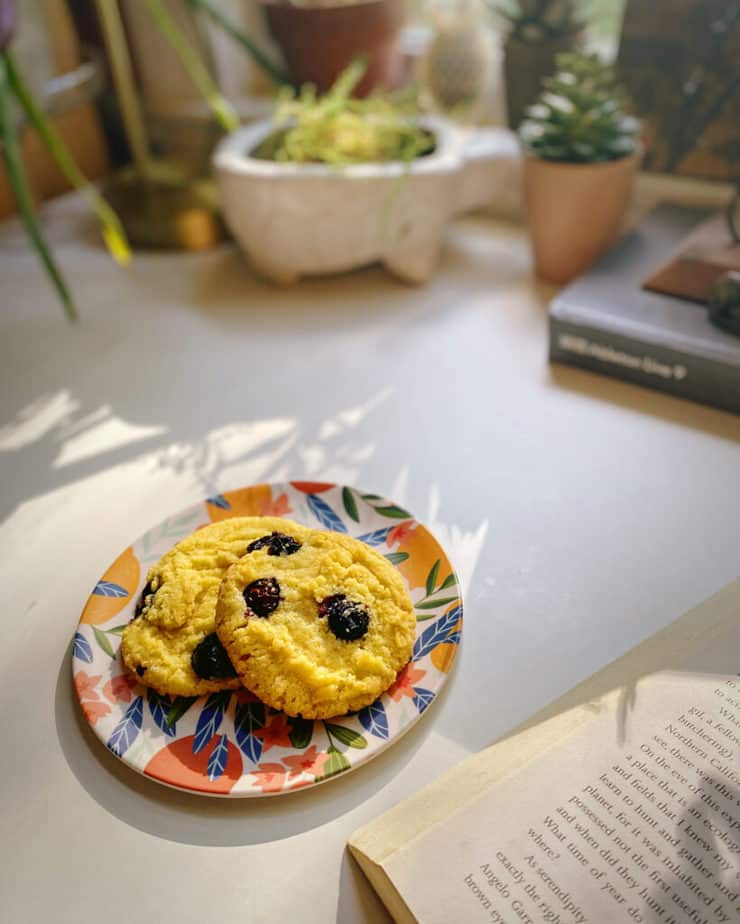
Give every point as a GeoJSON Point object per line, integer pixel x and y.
{"type": "Point", "coordinates": [113, 233]}
{"type": "Point", "coordinates": [273, 70]}
{"type": "Point", "coordinates": [191, 61]}
{"type": "Point", "coordinates": [22, 194]}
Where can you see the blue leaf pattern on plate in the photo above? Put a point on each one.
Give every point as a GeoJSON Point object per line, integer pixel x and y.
{"type": "Point", "coordinates": [422, 698]}
{"type": "Point", "coordinates": [218, 757]}
{"type": "Point", "coordinates": [109, 589]}
{"type": "Point", "coordinates": [219, 501]}
{"type": "Point", "coordinates": [436, 633]}
{"type": "Point", "coordinates": [82, 649]}
{"type": "Point", "coordinates": [210, 719]}
{"type": "Point", "coordinates": [374, 720]}
{"type": "Point", "coordinates": [249, 718]}
{"type": "Point", "coordinates": [324, 514]}
{"type": "Point", "coordinates": [124, 734]}
{"type": "Point", "coordinates": [377, 537]}
{"type": "Point", "coordinates": [160, 706]}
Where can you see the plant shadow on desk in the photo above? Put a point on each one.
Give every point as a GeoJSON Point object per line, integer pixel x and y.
{"type": "Point", "coordinates": [705, 863]}
{"type": "Point", "coordinates": [122, 375]}
{"type": "Point", "coordinates": [216, 445]}
{"type": "Point", "coordinates": [190, 818]}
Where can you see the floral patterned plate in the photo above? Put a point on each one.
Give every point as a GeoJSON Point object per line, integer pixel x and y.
{"type": "Point", "coordinates": [229, 743]}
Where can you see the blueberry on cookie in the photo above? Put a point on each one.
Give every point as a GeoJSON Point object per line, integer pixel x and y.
{"type": "Point", "coordinates": [348, 619]}
{"type": "Point", "coordinates": [320, 633]}
{"type": "Point", "coordinates": [171, 643]}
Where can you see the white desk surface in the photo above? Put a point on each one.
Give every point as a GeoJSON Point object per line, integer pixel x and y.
{"type": "Point", "coordinates": [582, 513]}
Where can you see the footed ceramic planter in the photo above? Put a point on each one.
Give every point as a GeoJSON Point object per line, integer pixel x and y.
{"type": "Point", "coordinates": [296, 220]}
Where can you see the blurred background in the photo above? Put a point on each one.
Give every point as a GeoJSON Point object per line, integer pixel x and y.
{"type": "Point", "coordinates": [453, 52]}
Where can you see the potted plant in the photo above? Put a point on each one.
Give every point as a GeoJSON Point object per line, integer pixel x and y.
{"type": "Point", "coordinates": [582, 155]}
{"type": "Point", "coordinates": [537, 32]}
{"type": "Point", "coordinates": [319, 39]}
{"type": "Point", "coordinates": [334, 182]}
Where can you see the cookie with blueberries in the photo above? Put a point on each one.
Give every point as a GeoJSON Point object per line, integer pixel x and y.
{"type": "Point", "coordinates": [171, 643]}
{"type": "Point", "coordinates": [319, 633]}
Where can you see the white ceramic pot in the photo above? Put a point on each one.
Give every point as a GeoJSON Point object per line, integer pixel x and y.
{"type": "Point", "coordinates": [296, 220]}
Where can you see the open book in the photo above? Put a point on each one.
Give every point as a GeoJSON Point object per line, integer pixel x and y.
{"type": "Point", "coordinates": [620, 802]}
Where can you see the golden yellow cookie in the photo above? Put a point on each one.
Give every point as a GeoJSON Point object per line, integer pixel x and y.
{"type": "Point", "coordinates": [171, 642]}
{"type": "Point", "coordinates": [320, 633]}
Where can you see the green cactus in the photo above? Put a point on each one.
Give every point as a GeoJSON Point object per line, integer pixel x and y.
{"type": "Point", "coordinates": [534, 20]}
{"type": "Point", "coordinates": [580, 116]}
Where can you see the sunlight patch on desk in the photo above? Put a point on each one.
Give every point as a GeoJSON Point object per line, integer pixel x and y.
{"type": "Point", "coordinates": [232, 456]}
{"type": "Point", "coordinates": [101, 436]}
{"type": "Point", "coordinates": [352, 417]}
{"type": "Point", "coordinates": [400, 486]}
{"type": "Point", "coordinates": [464, 546]}
{"type": "Point", "coordinates": [36, 420]}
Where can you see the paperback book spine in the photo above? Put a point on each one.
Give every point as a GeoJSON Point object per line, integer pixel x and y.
{"type": "Point", "coordinates": [663, 368]}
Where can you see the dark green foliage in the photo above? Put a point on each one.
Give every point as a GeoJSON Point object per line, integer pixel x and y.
{"type": "Point", "coordinates": [535, 20]}
{"type": "Point", "coordinates": [580, 116]}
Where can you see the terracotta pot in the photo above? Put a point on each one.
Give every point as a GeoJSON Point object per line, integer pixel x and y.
{"type": "Point", "coordinates": [319, 42]}
{"type": "Point", "coordinates": [575, 211]}
{"type": "Point", "coordinates": [525, 66]}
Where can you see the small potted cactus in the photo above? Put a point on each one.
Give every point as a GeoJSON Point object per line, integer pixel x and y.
{"type": "Point", "coordinates": [582, 155]}
{"type": "Point", "coordinates": [536, 32]}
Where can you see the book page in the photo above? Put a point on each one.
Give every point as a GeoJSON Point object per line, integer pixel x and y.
{"type": "Point", "coordinates": [634, 817]}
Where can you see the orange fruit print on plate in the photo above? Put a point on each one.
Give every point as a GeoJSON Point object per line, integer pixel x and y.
{"type": "Point", "coordinates": [229, 743]}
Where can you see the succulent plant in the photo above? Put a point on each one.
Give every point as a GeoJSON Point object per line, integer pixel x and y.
{"type": "Point", "coordinates": [580, 116]}
{"type": "Point", "coordinates": [535, 20]}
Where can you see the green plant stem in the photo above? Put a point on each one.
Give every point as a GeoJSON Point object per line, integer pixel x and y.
{"type": "Point", "coordinates": [113, 233]}
{"type": "Point", "coordinates": [273, 70]}
{"type": "Point", "coordinates": [192, 63]}
{"type": "Point", "coordinates": [22, 193]}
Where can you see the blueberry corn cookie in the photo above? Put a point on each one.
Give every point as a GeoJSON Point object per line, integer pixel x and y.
{"type": "Point", "coordinates": [320, 633]}
{"type": "Point", "coordinates": [171, 643]}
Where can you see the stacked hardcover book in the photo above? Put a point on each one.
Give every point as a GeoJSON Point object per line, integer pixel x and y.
{"type": "Point", "coordinates": [609, 321]}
